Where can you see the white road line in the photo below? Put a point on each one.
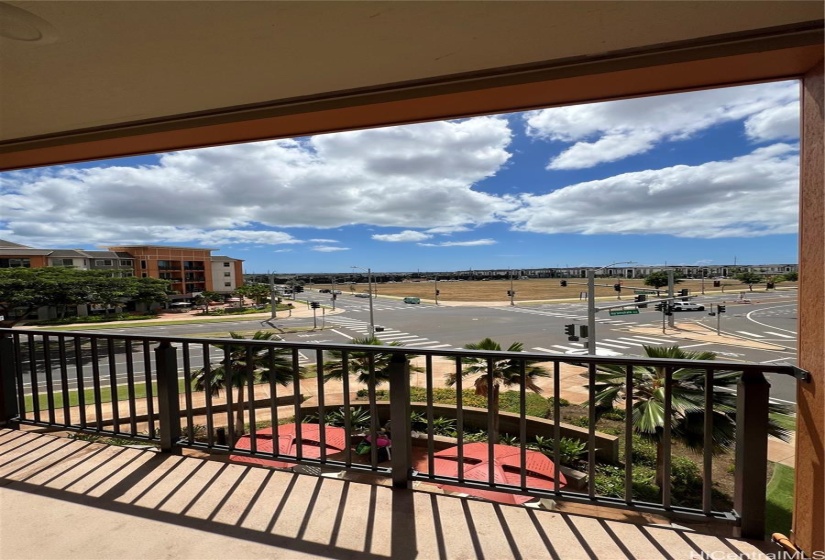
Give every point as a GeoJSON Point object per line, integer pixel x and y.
{"type": "Point", "coordinates": [624, 342]}
{"type": "Point", "coordinates": [397, 336]}
{"type": "Point", "coordinates": [636, 340]}
{"type": "Point", "coordinates": [342, 334]}
{"type": "Point", "coordinates": [754, 335]}
{"type": "Point", "coordinates": [438, 346]}
{"type": "Point", "coordinates": [776, 360]}
{"type": "Point", "coordinates": [749, 318]}
{"type": "Point", "coordinates": [651, 339]}
{"type": "Point", "coordinates": [420, 343]}
{"type": "Point", "coordinates": [415, 339]}
{"type": "Point", "coordinates": [780, 335]}
{"type": "Point", "coordinates": [562, 347]}
{"type": "Point", "coordinates": [611, 345]}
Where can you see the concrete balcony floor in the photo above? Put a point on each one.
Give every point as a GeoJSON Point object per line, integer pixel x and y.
{"type": "Point", "coordinates": [62, 498]}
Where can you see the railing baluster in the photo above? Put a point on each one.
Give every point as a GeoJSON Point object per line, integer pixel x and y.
{"type": "Point", "coordinates": [628, 435]}
{"type": "Point", "coordinates": [522, 424]}
{"type": "Point", "coordinates": [168, 399]}
{"type": "Point", "coordinates": [430, 429]}
{"type": "Point", "coordinates": [556, 421]}
{"type": "Point", "coordinates": [34, 381]}
{"type": "Point", "coordinates": [47, 369]}
{"type": "Point", "coordinates": [81, 384]}
{"type": "Point", "coordinates": [150, 393]}
{"type": "Point", "coordinates": [322, 436]}
{"type": "Point", "coordinates": [273, 402]}
{"type": "Point", "coordinates": [347, 420]}
{"type": "Point", "coordinates": [249, 374]}
{"type": "Point", "coordinates": [752, 400]}
{"type": "Point", "coordinates": [110, 350]}
{"type": "Point", "coordinates": [707, 450]}
{"type": "Point", "coordinates": [130, 387]}
{"type": "Point", "coordinates": [459, 403]}
{"type": "Point", "coordinates": [400, 418]}
{"type": "Point", "coordinates": [96, 384]}
{"type": "Point", "coordinates": [492, 419]}
{"type": "Point", "coordinates": [666, 435]}
{"type": "Point", "coordinates": [64, 379]}
{"type": "Point", "coordinates": [228, 383]}
{"type": "Point", "coordinates": [206, 381]}
{"type": "Point", "coordinates": [8, 388]}
{"type": "Point", "coordinates": [18, 371]}
{"type": "Point", "coordinates": [296, 402]}
{"type": "Point", "coordinates": [373, 414]}
{"type": "Point", "coordinates": [187, 393]}
{"type": "Point", "coordinates": [591, 431]}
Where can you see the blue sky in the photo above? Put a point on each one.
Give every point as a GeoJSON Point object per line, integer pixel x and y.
{"type": "Point", "coordinates": [696, 178]}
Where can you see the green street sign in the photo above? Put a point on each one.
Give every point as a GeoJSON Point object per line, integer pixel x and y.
{"type": "Point", "coordinates": [623, 312]}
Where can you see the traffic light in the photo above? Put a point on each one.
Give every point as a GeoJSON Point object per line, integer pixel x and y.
{"type": "Point", "coordinates": [509, 293]}
{"type": "Point", "coordinates": [683, 292]}
{"type": "Point", "coordinates": [438, 292]}
{"type": "Point", "coordinates": [564, 283]}
{"type": "Point", "coordinates": [617, 287]}
{"type": "Point", "coordinates": [299, 289]}
{"type": "Point", "coordinates": [315, 305]}
{"type": "Point", "coordinates": [669, 310]}
{"type": "Point", "coordinates": [659, 307]}
{"type": "Point", "coordinates": [570, 330]}
{"type": "Point", "coordinates": [720, 308]}
{"type": "Point", "coordinates": [583, 331]}
{"type": "Point", "coordinates": [641, 298]}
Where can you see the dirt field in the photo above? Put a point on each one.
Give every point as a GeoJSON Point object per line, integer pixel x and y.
{"type": "Point", "coordinates": [533, 290]}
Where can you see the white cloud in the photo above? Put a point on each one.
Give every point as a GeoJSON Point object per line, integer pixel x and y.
{"type": "Point", "coordinates": [749, 196]}
{"type": "Point", "coordinates": [610, 131]}
{"type": "Point", "coordinates": [328, 249]}
{"type": "Point", "coordinates": [446, 230]}
{"type": "Point", "coordinates": [404, 236]}
{"type": "Point", "coordinates": [473, 243]}
{"type": "Point", "coordinates": [416, 176]}
{"type": "Point", "coordinates": [324, 241]}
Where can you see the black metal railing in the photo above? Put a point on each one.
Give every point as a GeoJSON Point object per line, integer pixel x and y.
{"type": "Point", "coordinates": [147, 388]}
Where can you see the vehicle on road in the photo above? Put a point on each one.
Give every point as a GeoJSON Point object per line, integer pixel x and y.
{"type": "Point", "coordinates": [336, 292]}
{"type": "Point", "coordinates": [412, 300]}
{"type": "Point", "coordinates": [362, 295]}
{"type": "Point", "coordinates": [324, 291]}
{"type": "Point", "coordinates": [687, 306]}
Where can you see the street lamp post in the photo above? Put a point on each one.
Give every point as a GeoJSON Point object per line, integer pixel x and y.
{"type": "Point", "coordinates": [369, 283]}
{"type": "Point", "coordinates": [591, 305]}
{"type": "Point", "coordinates": [436, 290]}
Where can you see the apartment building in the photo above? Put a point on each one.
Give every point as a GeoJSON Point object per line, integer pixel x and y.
{"type": "Point", "coordinates": [189, 269]}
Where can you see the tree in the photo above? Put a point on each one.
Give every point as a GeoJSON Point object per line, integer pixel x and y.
{"type": "Point", "coordinates": [791, 276]}
{"type": "Point", "coordinates": [247, 363]}
{"type": "Point", "coordinates": [205, 298]}
{"type": "Point", "coordinates": [109, 291]}
{"type": "Point", "coordinates": [659, 279]}
{"type": "Point", "coordinates": [359, 363]}
{"type": "Point", "coordinates": [505, 372]}
{"type": "Point", "coordinates": [24, 289]}
{"type": "Point", "coordinates": [688, 401]}
{"type": "Point", "coordinates": [151, 290]}
{"type": "Point", "coordinates": [257, 292]}
{"type": "Point", "coordinates": [749, 278]}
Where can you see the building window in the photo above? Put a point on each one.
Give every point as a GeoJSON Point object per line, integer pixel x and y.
{"type": "Point", "coordinates": [227, 274]}
{"type": "Point", "coordinates": [126, 262]}
{"type": "Point", "coordinates": [226, 264]}
{"type": "Point", "coordinates": [63, 262]}
{"type": "Point", "coordinates": [103, 262]}
{"type": "Point", "coordinates": [144, 275]}
{"type": "Point", "coordinates": [228, 284]}
{"type": "Point", "coordinates": [143, 265]}
{"type": "Point", "coordinates": [15, 263]}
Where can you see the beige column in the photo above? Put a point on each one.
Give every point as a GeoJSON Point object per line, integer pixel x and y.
{"type": "Point", "coordinates": [809, 499]}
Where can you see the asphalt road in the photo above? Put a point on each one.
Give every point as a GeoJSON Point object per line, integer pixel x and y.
{"type": "Point", "coordinates": [766, 318]}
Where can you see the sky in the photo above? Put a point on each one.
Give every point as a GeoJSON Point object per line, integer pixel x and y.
{"type": "Point", "coordinates": [700, 178]}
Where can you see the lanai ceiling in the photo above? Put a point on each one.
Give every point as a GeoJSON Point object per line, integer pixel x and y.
{"type": "Point", "coordinates": [80, 80]}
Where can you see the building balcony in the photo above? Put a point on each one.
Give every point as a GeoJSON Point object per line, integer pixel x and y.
{"type": "Point", "coordinates": [362, 505]}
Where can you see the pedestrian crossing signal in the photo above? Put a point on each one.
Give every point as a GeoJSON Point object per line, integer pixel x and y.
{"type": "Point", "coordinates": [720, 308]}
{"type": "Point", "coordinates": [570, 330]}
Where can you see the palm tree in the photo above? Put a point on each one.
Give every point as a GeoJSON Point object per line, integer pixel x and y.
{"type": "Point", "coordinates": [359, 363]}
{"type": "Point", "coordinates": [504, 372]}
{"type": "Point", "coordinates": [687, 398]}
{"type": "Point", "coordinates": [264, 363]}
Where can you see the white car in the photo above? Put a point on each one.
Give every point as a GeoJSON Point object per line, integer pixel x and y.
{"type": "Point", "coordinates": [362, 295]}
{"type": "Point", "coordinates": [687, 306]}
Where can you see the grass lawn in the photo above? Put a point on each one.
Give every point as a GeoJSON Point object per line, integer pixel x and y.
{"type": "Point", "coordinates": [779, 507]}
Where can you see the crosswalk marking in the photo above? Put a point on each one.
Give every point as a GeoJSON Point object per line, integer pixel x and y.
{"type": "Point", "coordinates": [746, 333]}
{"type": "Point", "coordinates": [658, 340]}
{"type": "Point", "coordinates": [439, 346]}
{"type": "Point", "coordinates": [621, 341]}
{"type": "Point", "coordinates": [611, 345]}
{"type": "Point", "coordinates": [780, 335]}
{"type": "Point", "coordinates": [399, 338]}
{"type": "Point", "coordinates": [421, 343]}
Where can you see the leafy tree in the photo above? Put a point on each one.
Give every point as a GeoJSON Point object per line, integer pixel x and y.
{"type": "Point", "coordinates": [109, 291]}
{"type": "Point", "coordinates": [688, 401]}
{"type": "Point", "coordinates": [658, 279]}
{"type": "Point", "coordinates": [791, 276]}
{"type": "Point", "coordinates": [749, 278]}
{"type": "Point", "coordinates": [505, 372]}
{"type": "Point", "coordinates": [23, 288]}
{"type": "Point", "coordinates": [260, 363]}
{"type": "Point", "coordinates": [256, 292]}
{"type": "Point", "coordinates": [206, 297]}
{"type": "Point", "coordinates": [151, 290]}
{"type": "Point", "coordinates": [359, 363]}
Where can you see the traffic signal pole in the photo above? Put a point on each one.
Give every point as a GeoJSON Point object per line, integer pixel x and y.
{"type": "Point", "coordinates": [591, 312]}
{"type": "Point", "coordinates": [671, 320]}
{"type": "Point", "coordinates": [272, 297]}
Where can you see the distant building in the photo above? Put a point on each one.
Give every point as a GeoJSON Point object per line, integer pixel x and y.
{"type": "Point", "coordinates": [190, 270]}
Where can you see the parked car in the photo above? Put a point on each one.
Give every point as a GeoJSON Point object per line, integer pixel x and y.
{"type": "Point", "coordinates": [336, 292]}
{"type": "Point", "coordinates": [687, 306]}
{"type": "Point", "coordinates": [324, 291]}
{"type": "Point", "coordinates": [412, 300]}
{"type": "Point", "coordinates": [362, 295]}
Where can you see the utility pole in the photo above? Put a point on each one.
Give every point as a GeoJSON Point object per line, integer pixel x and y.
{"type": "Point", "coordinates": [591, 312]}
{"type": "Point", "coordinates": [436, 290]}
{"type": "Point", "coordinates": [671, 320]}
{"type": "Point", "coordinates": [512, 293]}
{"type": "Point", "coordinates": [272, 297]}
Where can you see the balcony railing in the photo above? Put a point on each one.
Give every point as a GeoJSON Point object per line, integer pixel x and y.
{"type": "Point", "coordinates": [141, 388]}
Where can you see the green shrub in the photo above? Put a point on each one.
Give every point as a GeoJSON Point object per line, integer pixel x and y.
{"type": "Point", "coordinates": [535, 404]}
{"type": "Point", "coordinates": [614, 414]}
{"type": "Point", "coordinates": [562, 402]}
{"type": "Point", "coordinates": [581, 422]}
{"type": "Point", "coordinates": [644, 452]}
{"type": "Point", "coordinates": [570, 451]}
{"type": "Point", "coordinates": [610, 479]}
